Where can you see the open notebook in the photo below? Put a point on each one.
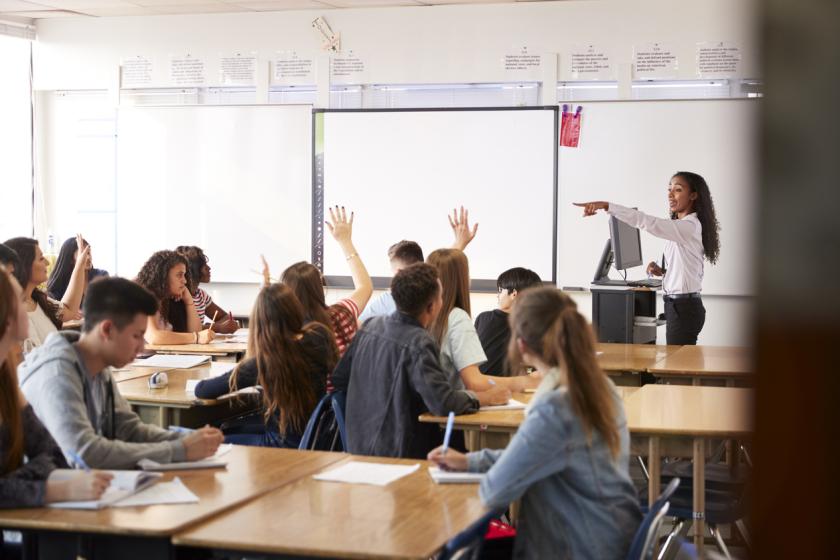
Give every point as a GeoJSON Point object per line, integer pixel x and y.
{"type": "Point", "coordinates": [123, 485]}
{"type": "Point", "coordinates": [452, 477]}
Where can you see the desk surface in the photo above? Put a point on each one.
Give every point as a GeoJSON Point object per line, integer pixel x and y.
{"type": "Point", "coordinates": [410, 518]}
{"type": "Point", "coordinates": [690, 411]}
{"type": "Point", "coordinates": [706, 361]}
{"type": "Point", "coordinates": [214, 348]}
{"type": "Point", "coordinates": [632, 357]}
{"type": "Point", "coordinates": [136, 390]}
{"type": "Point", "coordinates": [133, 372]}
{"type": "Point", "coordinates": [251, 472]}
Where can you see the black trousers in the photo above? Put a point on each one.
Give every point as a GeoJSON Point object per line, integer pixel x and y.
{"type": "Point", "coordinates": [685, 317]}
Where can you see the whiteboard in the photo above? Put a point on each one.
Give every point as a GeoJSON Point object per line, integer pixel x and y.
{"type": "Point", "coordinates": [233, 180]}
{"type": "Point", "coordinates": [627, 154]}
{"type": "Point", "coordinates": [402, 171]}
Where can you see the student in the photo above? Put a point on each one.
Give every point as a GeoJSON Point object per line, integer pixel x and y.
{"type": "Point", "coordinates": [199, 266]}
{"type": "Point", "coordinates": [69, 383]}
{"type": "Point", "coordinates": [166, 275]}
{"type": "Point", "coordinates": [307, 283]}
{"type": "Point", "coordinates": [691, 234]}
{"type": "Point", "coordinates": [29, 457]}
{"type": "Point", "coordinates": [460, 348]}
{"type": "Point", "coordinates": [9, 259]}
{"type": "Point", "coordinates": [45, 314]}
{"type": "Point", "coordinates": [392, 374]}
{"type": "Point", "coordinates": [568, 462]}
{"type": "Point", "coordinates": [290, 360]}
{"type": "Point", "coordinates": [492, 326]}
{"type": "Point", "coordinates": [62, 271]}
{"type": "Point", "coordinates": [404, 253]}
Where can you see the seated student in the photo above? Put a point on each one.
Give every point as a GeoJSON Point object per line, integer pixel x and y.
{"type": "Point", "coordinates": [45, 314]}
{"type": "Point", "coordinates": [404, 253]}
{"type": "Point", "coordinates": [29, 457]}
{"type": "Point", "coordinates": [392, 374]}
{"type": "Point", "coordinates": [68, 381]}
{"type": "Point", "coordinates": [9, 259]}
{"type": "Point", "coordinates": [199, 266]}
{"type": "Point", "coordinates": [460, 348]}
{"type": "Point", "coordinates": [65, 264]}
{"type": "Point", "coordinates": [290, 360]}
{"type": "Point", "coordinates": [307, 283]}
{"type": "Point", "coordinates": [569, 460]}
{"type": "Point", "coordinates": [492, 326]}
{"type": "Point", "coordinates": [166, 275]}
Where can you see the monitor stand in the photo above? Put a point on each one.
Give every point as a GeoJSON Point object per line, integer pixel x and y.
{"type": "Point", "coordinates": [610, 282]}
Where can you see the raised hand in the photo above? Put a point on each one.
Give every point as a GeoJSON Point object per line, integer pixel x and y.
{"type": "Point", "coordinates": [460, 224]}
{"type": "Point", "coordinates": [340, 227]}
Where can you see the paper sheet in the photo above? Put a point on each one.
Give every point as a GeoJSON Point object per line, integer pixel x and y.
{"type": "Point", "coordinates": [358, 472]}
{"type": "Point", "coordinates": [444, 477]}
{"type": "Point", "coordinates": [172, 361]}
{"type": "Point", "coordinates": [512, 404]}
{"type": "Point", "coordinates": [172, 492]}
{"type": "Point", "coordinates": [220, 368]}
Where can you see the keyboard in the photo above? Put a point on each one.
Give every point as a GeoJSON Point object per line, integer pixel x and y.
{"type": "Point", "coordinates": [646, 283]}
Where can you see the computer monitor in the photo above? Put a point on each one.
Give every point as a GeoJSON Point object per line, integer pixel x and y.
{"type": "Point", "coordinates": [626, 244]}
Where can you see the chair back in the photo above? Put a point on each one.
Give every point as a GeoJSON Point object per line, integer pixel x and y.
{"type": "Point", "coordinates": [339, 403]}
{"type": "Point", "coordinates": [322, 432]}
{"type": "Point", "coordinates": [468, 543]}
{"type": "Point", "coordinates": [643, 541]}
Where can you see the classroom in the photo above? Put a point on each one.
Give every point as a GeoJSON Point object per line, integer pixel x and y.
{"type": "Point", "coordinates": [304, 278]}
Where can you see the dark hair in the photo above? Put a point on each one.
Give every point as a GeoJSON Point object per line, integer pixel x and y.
{"type": "Point", "coordinates": [407, 252]}
{"type": "Point", "coordinates": [196, 259]}
{"type": "Point", "coordinates": [10, 404]}
{"type": "Point", "coordinates": [306, 282]}
{"type": "Point", "coordinates": [283, 364]}
{"type": "Point", "coordinates": [548, 322]}
{"type": "Point", "coordinates": [63, 268]}
{"type": "Point", "coordinates": [8, 257]}
{"type": "Point", "coordinates": [117, 299]}
{"type": "Point", "coordinates": [517, 279]}
{"type": "Point", "coordinates": [154, 276]}
{"type": "Point", "coordinates": [705, 208]}
{"type": "Point", "coordinates": [413, 288]}
{"type": "Point", "coordinates": [453, 269]}
{"type": "Point", "coordinates": [25, 249]}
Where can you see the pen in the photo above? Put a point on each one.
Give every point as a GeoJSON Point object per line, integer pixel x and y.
{"type": "Point", "coordinates": [448, 433]}
{"type": "Point", "coordinates": [78, 460]}
{"type": "Point", "coordinates": [181, 429]}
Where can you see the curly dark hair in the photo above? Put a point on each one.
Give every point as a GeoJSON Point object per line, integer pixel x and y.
{"type": "Point", "coordinates": [705, 208]}
{"type": "Point", "coordinates": [413, 288]}
{"type": "Point", "coordinates": [196, 259]}
{"type": "Point", "coordinates": [25, 249]}
{"type": "Point", "coordinates": [154, 276]}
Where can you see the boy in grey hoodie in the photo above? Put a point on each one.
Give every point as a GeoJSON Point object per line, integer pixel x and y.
{"type": "Point", "coordinates": [69, 385]}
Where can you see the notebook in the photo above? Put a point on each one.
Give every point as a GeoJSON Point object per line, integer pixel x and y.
{"type": "Point", "coordinates": [172, 361]}
{"type": "Point", "coordinates": [450, 477]}
{"type": "Point", "coordinates": [212, 462]}
{"type": "Point", "coordinates": [123, 485]}
{"type": "Point", "coordinates": [360, 472]}
{"type": "Point", "coordinates": [512, 404]}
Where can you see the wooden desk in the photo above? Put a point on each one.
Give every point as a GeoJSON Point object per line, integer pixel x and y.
{"type": "Point", "coordinates": [706, 362]}
{"type": "Point", "coordinates": [617, 357]}
{"type": "Point", "coordinates": [221, 350]}
{"type": "Point", "coordinates": [174, 405]}
{"type": "Point", "coordinates": [696, 413]}
{"type": "Point", "coordinates": [133, 372]}
{"type": "Point", "coordinates": [145, 532]}
{"type": "Point", "coordinates": [410, 518]}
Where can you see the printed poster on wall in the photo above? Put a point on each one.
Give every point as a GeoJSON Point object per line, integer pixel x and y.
{"type": "Point", "coordinates": [187, 70]}
{"type": "Point", "coordinates": [135, 72]}
{"type": "Point", "coordinates": [347, 68]}
{"type": "Point", "coordinates": [718, 59]}
{"type": "Point", "coordinates": [238, 69]}
{"type": "Point", "coordinates": [521, 64]}
{"type": "Point", "coordinates": [293, 69]}
{"type": "Point", "coordinates": [655, 60]}
{"type": "Point", "coordinates": [590, 62]}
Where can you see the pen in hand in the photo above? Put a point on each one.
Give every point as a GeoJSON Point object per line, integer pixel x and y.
{"type": "Point", "coordinates": [450, 421]}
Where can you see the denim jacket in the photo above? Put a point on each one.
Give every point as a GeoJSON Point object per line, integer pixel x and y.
{"type": "Point", "coordinates": [391, 373]}
{"type": "Point", "coordinates": [577, 502]}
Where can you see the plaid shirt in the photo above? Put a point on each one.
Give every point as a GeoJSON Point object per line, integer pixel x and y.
{"type": "Point", "coordinates": [344, 326]}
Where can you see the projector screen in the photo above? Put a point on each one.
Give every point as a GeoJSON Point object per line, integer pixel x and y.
{"type": "Point", "coordinates": [403, 171]}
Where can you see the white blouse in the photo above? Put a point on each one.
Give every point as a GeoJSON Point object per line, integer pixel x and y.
{"type": "Point", "coordinates": [40, 327]}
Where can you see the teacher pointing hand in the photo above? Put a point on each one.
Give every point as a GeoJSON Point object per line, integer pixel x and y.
{"type": "Point", "coordinates": [691, 236]}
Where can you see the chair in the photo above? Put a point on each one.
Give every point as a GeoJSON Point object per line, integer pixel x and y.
{"type": "Point", "coordinates": [325, 428]}
{"type": "Point", "coordinates": [643, 541]}
{"type": "Point", "coordinates": [467, 544]}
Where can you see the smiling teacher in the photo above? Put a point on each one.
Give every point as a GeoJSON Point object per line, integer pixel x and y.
{"type": "Point", "coordinates": [691, 235]}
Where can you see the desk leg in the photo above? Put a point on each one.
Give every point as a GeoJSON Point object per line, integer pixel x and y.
{"type": "Point", "coordinates": [654, 470]}
{"type": "Point", "coordinates": [164, 417]}
{"type": "Point", "coordinates": [699, 494]}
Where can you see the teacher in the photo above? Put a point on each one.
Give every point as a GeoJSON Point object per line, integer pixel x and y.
{"type": "Point", "coordinates": [691, 235]}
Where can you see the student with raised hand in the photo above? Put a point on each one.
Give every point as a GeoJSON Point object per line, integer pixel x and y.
{"type": "Point", "coordinates": [61, 276]}
{"type": "Point", "coordinates": [460, 347]}
{"type": "Point", "coordinates": [289, 358]}
{"type": "Point", "coordinates": [46, 315]}
{"type": "Point", "coordinates": [405, 253]}
{"type": "Point", "coordinates": [492, 326]}
{"type": "Point", "coordinates": [199, 266]}
{"type": "Point", "coordinates": [306, 282]}
{"type": "Point", "coordinates": [69, 383]}
{"type": "Point", "coordinates": [166, 275]}
{"type": "Point", "coordinates": [568, 462]}
{"type": "Point", "coordinates": [691, 234]}
{"type": "Point", "coordinates": [29, 457]}
{"type": "Point", "coordinates": [392, 374]}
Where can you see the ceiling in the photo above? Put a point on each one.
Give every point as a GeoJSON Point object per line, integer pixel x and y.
{"type": "Point", "coordinates": [28, 10]}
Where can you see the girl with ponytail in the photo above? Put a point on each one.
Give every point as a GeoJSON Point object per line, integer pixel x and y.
{"type": "Point", "coordinates": [569, 460]}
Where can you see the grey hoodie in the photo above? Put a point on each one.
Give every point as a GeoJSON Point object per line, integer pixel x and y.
{"type": "Point", "coordinates": [54, 381]}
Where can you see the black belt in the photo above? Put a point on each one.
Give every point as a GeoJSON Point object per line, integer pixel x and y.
{"type": "Point", "coordinates": [672, 297]}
